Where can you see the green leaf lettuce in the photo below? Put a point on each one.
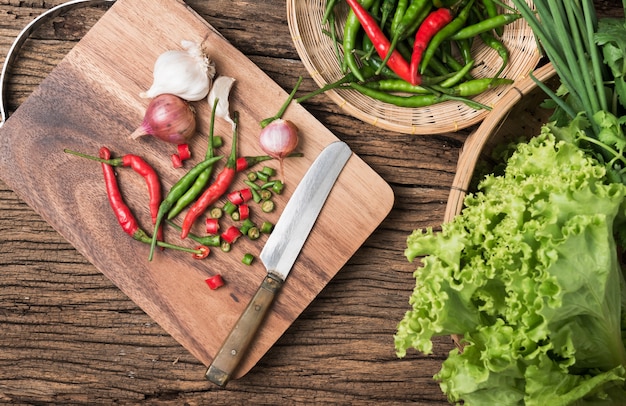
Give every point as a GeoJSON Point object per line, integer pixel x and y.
{"type": "Point", "coordinates": [529, 275]}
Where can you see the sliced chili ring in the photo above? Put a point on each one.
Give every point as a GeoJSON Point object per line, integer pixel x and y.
{"type": "Point", "coordinates": [231, 234]}
{"type": "Point", "coordinates": [244, 211]}
{"type": "Point", "coordinates": [212, 225]}
{"type": "Point", "coordinates": [184, 152]}
{"type": "Point", "coordinates": [204, 252]}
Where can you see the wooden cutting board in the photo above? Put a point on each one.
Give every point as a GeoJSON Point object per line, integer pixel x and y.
{"type": "Point", "coordinates": [91, 99]}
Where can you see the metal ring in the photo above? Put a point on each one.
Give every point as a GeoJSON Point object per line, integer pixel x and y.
{"type": "Point", "coordinates": [23, 36]}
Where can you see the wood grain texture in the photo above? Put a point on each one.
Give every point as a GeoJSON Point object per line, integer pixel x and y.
{"type": "Point", "coordinates": [68, 335]}
{"type": "Point", "coordinates": [91, 99]}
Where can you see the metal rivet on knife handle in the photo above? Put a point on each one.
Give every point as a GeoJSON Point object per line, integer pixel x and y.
{"type": "Point", "coordinates": [239, 339]}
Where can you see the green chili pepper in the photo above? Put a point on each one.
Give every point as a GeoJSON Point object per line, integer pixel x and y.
{"type": "Point", "coordinates": [198, 185]}
{"type": "Point", "coordinates": [491, 10]}
{"type": "Point", "coordinates": [445, 33]}
{"type": "Point", "coordinates": [465, 49]}
{"type": "Point", "coordinates": [494, 43]}
{"type": "Point", "coordinates": [454, 80]}
{"type": "Point", "coordinates": [458, 93]}
{"type": "Point", "coordinates": [398, 14]}
{"type": "Point", "coordinates": [396, 85]}
{"type": "Point", "coordinates": [478, 86]}
{"type": "Point", "coordinates": [330, 8]}
{"type": "Point", "coordinates": [487, 25]}
{"type": "Point", "coordinates": [351, 31]}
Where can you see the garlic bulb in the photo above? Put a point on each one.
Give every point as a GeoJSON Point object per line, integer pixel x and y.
{"type": "Point", "coordinates": [185, 73]}
{"type": "Point", "coordinates": [220, 91]}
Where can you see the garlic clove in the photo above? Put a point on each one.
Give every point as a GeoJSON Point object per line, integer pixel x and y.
{"type": "Point", "coordinates": [221, 91]}
{"type": "Point", "coordinates": [186, 73]}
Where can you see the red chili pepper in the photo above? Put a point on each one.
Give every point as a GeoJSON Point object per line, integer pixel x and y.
{"type": "Point", "coordinates": [152, 181]}
{"type": "Point", "coordinates": [396, 62]}
{"type": "Point", "coordinates": [120, 208]}
{"type": "Point", "coordinates": [231, 234]}
{"type": "Point", "coordinates": [244, 211]}
{"type": "Point", "coordinates": [215, 281]}
{"type": "Point", "coordinates": [184, 152]}
{"type": "Point", "coordinates": [212, 225]}
{"type": "Point", "coordinates": [217, 188]}
{"type": "Point", "coordinates": [431, 25]}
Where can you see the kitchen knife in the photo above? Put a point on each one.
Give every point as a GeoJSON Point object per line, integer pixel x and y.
{"type": "Point", "coordinates": [279, 254]}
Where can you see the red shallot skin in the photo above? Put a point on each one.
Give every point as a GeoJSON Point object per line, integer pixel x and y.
{"type": "Point", "coordinates": [279, 138]}
{"type": "Point", "coordinates": [168, 118]}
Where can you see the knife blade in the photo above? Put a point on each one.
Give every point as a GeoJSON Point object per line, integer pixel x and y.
{"type": "Point", "coordinates": [280, 253]}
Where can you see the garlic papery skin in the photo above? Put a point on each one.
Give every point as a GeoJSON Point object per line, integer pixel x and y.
{"type": "Point", "coordinates": [186, 73]}
{"type": "Point", "coordinates": [221, 91]}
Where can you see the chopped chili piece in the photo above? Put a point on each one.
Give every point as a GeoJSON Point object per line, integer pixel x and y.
{"type": "Point", "coordinates": [240, 196]}
{"type": "Point", "coordinates": [247, 259]}
{"type": "Point", "coordinates": [244, 211]}
{"type": "Point", "coordinates": [184, 153]}
{"type": "Point", "coordinates": [204, 252]}
{"type": "Point", "coordinates": [229, 207]}
{"type": "Point", "coordinates": [231, 234]}
{"type": "Point", "coordinates": [253, 233]}
{"type": "Point", "coordinates": [246, 194]}
{"type": "Point", "coordinates": [268, 185]}
{"type": "Point", "coordinates": [176, 161]}
{"type": "Point", "coordinates": [225, 246]}
{"type": "Point", "coordinates": [252, 176]}
{"type": "Point", "coordinates": [269, 171]}
{"type": "Point", "coordinates": [265, 194]}
{"type": "Point", "coordinates": [262, 176]}
{"type": "Point", "coordinates": [217, 141]}
{"type": "Point", "coordinates": [278, 187]}
{"type": "Point", "coordinates": [215, 281]}
{"type": "Point", "coordinates": [246, 225]}
{"type": "Point", "coordinates": [235, 215]}
{"type": "Point", "coordinates": [212, 225]}
{"type": "Point", "coordinates": [267, 227]}
{"type": "Point", "coordinates": [216, 213]}
{"type": "Point", "coordinates": [267, 206]}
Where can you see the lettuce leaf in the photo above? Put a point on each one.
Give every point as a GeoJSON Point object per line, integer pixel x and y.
{"type": "Point", "coordinates": [529, 275]}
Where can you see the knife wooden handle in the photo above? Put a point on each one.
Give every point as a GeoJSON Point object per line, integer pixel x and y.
{"type": "Point", "coordinates": [240, 337]}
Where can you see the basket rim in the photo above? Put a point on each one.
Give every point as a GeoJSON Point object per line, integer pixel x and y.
{"type": "Point", "coordinates": [476, 141]}
{"type": "Point", "coordinates": [322, 65]}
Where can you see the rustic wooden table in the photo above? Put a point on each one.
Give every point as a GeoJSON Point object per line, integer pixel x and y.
{"type": "Point", "coordinates": [68, 335]}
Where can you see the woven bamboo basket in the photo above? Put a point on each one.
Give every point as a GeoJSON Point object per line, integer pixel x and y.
{"type": "Point", "coordinates": [317, 52]}
{"type": "Point", "coordinates": [517, 115]}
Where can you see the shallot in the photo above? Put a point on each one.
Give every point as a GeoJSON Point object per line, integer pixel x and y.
{"type": "Point", "coordinates": [278, 137]}
{"type": "Point", "coordinates": [168, 118]}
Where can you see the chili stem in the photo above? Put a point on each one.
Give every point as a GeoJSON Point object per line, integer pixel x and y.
{"type": "Point", "coordinates": [283, 108]}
